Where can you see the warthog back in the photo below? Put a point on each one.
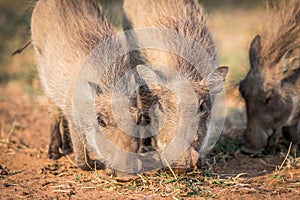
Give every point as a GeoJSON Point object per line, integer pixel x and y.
{"type": "Point", "coordinates": [64, 35]}
{"type": "Point", "coordinates": [185, 51]}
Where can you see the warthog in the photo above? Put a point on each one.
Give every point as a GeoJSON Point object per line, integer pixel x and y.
{"type": "Point", "coordinates": [64, 32]}
{"type": "Point", "coordinates": [167, 69]}
{"type": "Point", "coordinates": [271, 88]}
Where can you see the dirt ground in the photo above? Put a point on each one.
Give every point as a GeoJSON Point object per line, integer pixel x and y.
{"type": "Point", "coordinates": [27, 173]}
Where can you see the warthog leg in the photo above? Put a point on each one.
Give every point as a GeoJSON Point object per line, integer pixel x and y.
{"type": "Point", "coordinates": [60, 140]}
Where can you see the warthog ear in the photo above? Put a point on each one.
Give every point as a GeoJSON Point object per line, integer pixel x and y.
{"type": "Point", "coordinates": [254, 52]}
{"type": "Point", "coordinates": [216, 79]}
{"type": "Point", "coordinates": [147, 73]}
{"type": "Point", "coordinates": [130, 83]}
{"type": "Point", "coordinates": [95, 88]}
{"type": "Point", "coordinates": [291, 60]}
{"type": "Point", "coordinates": [149, 76]}
{"type": "Point", "coordinates": [223, 70]}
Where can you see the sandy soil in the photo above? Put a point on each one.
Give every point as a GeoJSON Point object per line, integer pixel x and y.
{"type": "Point", "coordinates": [27, 173]}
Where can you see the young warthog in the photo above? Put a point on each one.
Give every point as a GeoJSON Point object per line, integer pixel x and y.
{"type": "Point", "coordinates": [271, 88]}
{"type": "Point", "coordinates": [64, 33]}
{"type": "Point", "coordinates": [176, 46]}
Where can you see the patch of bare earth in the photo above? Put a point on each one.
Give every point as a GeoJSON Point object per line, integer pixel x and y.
{"type": "Point", "coordinates": [27, 173]}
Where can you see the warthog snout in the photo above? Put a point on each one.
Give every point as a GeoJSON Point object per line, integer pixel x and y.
{"type": "Point", "coordinates": [256, 139]}
{"type": "Point", "coordinates": [187, 161]}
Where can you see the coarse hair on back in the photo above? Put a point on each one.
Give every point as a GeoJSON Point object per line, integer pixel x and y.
{"type": "Point", "coordinates": [75, 29]}
{"type": "Point", "coordinates": [282, 30]}
{"type": "Point", "coordinates": [85, 19]}
{"type": "Point", "coordinates": [188, 20]}
{"type": "Point", "coordinates": [93, 29]}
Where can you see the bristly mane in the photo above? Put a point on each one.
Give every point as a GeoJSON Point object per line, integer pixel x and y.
{"type": "Point", "coordinates": [86, 27]}
{"type": "Point", "coordinates": [187, 18]}
{"type": "Point", "coordinates": [83, 19]}
{"type": "Point", "coordinates": [282, 32]}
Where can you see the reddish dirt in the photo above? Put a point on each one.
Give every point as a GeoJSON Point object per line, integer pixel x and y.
{"type": "Point", "coordinates": [27, 173]}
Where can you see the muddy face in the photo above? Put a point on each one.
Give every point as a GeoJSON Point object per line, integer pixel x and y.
{"type": "Point", "coordinates": [109, 119]}
{"type": "Point", "coordinates": [167, 114]}
{"type": "Point", "coordinates": [124, 136]}
{"type": "Point", "coordinates": [266, 113]}
{"type": "Point", "coordinates": [271, 96]}
{"type": "Point", "coordinates": [167, 118]}
{"type": "Point", "coordinates": [106, 120]}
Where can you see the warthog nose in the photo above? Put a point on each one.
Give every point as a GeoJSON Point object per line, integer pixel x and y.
{"type": "Point", "coordinates": [187, 162]}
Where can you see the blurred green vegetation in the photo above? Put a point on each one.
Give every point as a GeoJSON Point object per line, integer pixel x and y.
{"type": "Point", "coordinates": [233, 23]}
{"type": "Point", "coordinates": [14, 28]}
{"type": "Point", "coordinates": [231, 4]}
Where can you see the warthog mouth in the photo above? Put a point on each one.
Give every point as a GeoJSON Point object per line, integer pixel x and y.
{"type": "Point", "coordinates": [261, 144]}
{"type": "Point", "coordinates": [251, 150]}
{"type": "Point", "coordinates": [186, 162]}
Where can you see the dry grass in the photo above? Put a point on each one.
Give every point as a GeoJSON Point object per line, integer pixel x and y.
{"type": "Point", "coordinates": [5, 138]}
{"type": "Point", "coordinates": [205, 182]}
{"type": "Point", "coordinates": [194, 184]}
{"type": "Point", "coordinates": [162, 184]}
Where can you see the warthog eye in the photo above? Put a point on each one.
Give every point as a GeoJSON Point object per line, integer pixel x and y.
{"type": "Point", "coordinates": [101, 121]}
{"type": "Point", "coordinates": [139, 116]}
{"type": "Point", "coordinates": [202, 106]}
{"type": "Point", "coordinates": [268, 100]}
{"type": "Point", "coordinates": [269, 96]}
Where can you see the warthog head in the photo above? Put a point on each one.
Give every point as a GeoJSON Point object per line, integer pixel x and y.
{"type": "Point", "coordinates": [109, 114]}
{"type": "Point", "coordinates": [178, 103]}
{"type": "Point", "coordinates": [105, 110]}
{"type": "Point", "coordinates": [271, 88]}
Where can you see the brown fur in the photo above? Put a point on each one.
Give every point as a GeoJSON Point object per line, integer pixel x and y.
{"type": "Point", "coordinates": [281, 31]}
{"type": "Point", "coordinates": [187, 18]}
{"type": "Point", "coordinates": [64, 32]}
{"type": "Point", "coordinates": [271, 88]}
